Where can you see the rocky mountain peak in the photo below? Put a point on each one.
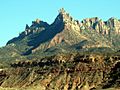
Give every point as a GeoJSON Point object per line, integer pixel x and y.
{"type": "Point", "coordinates": [62, 11]}
{"type": "Point", "coordinates": [36, 26]}
{"type": "Point", "coordinates": [68, 21]}
{"type": "Point", "coordinates": [69, 31]}
{"type": "Point", "coordinates": [64, 15]}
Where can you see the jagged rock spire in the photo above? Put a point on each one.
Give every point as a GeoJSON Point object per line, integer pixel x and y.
{"type": "Point", "coordinates": [62, 11]}
{"type": "Point", "coordinates": [64, 15]}
{"type": "Point", "coordinates": [27, 27]}
{"type": "Point", "coordinates": [37, 20]}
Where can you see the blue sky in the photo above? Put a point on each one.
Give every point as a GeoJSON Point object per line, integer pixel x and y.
{"type": "Point", "coordinates": [15, 14]}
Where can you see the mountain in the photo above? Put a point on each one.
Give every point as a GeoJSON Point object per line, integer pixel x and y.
{"type": "Point", "coordinates": [66, 55]}
{"type": "Point", "coordinates": [67, 32]}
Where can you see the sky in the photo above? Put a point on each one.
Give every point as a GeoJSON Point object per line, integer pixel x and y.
{"type": "Point", "coordinates": [15, 14]}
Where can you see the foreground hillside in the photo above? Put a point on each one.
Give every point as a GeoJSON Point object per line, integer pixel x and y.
{"type": "Point", "coordinates": [64, 72]}
{"type": "Point", "coordinates": [65, 55]}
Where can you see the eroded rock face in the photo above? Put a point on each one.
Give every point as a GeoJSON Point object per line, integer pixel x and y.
{"type": "Point", "coordinates": [36, 27]}
{"type": "Point", "coordinates": [114, 24]}
{"type": "Point", "coordinates": [71, 71]}
{"type": "Point", "coordinates": [69, 22]}
{"type": "Point", "coordinates": [100, 26]}
{"type": "Point", "coordinates": [42, 36]}
{"type": "Point", "coordinates": [95, 23]}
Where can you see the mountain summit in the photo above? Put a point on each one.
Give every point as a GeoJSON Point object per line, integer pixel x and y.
{"type": "Point", "coordinates": [66, 33]}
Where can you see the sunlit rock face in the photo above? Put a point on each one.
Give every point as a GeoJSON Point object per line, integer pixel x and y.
{"type": "Point", "coordinates": [114, 24]}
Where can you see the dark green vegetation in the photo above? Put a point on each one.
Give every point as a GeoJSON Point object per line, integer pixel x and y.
{"type": "Point", "coordinates": [66, 55]}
